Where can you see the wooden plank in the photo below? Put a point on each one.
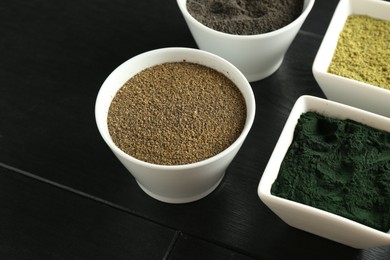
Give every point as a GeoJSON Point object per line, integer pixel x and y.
{"type": "Point", "coordinates": [41, 221]}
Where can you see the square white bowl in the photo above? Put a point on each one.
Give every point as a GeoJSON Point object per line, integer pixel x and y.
{"type": "Point", "coordinates": [311, 219]}
{"type": "Point", "coordinates": [341, 89]}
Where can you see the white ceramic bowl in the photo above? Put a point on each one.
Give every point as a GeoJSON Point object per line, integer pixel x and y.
{"type": "Point", "coordinates": [174, 183]}
{"type": "Point", "coordinates": [257, 56]}
{"type": "Point", "coordinates": [308, 218]}
{"type": "Point", "coordinates": [345, 90]}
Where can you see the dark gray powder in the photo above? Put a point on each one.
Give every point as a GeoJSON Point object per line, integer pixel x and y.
{"type": "Point", "coordinates": [245, 17]}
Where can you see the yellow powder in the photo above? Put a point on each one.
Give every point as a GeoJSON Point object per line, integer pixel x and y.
{"type": "Point", "coordinates": [363, 51]}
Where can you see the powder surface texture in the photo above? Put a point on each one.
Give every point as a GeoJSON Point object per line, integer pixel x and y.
{"type": "Point", "coordinates": [176, 113]}
{"type": "Point", "coordinates": [245, 17]}
{"type": "Point", "coordinates": [340, 166]}
{"type": "Point", "coordinates": [363, 51]}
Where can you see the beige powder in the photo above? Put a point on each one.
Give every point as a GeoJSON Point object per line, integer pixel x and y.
{"type": "Point", "coordinates": [176, 113]}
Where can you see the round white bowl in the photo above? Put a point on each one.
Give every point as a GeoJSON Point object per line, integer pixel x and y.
{"type": "Point", "coordinates": [311, 219]}
{"type": "Point", "coordinates": [174, 183]}
{"type": "Point", "coordinates": [257, 56]}
{"type": "Point", "coordinates": [345, 90]}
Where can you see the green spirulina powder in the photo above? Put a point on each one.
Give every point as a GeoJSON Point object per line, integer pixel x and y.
{"type": "Point", "coordinates": [363, 51]}
{"type": "Point", "coordinates": [340, 166]}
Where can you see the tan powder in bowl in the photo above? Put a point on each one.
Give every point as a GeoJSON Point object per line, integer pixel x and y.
{"type": "Point", "coordinates": [176, 113]}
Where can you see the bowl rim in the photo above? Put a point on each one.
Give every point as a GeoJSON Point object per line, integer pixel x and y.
{"type": "Point", "coordinates": [308, 5]}
{"type": "Point", "coordinates": [266, 181]}
{"type": "Point", "coordinates": [249, 101]}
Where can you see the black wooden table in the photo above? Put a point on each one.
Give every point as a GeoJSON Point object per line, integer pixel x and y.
{"type": "Point", "coordinates": [63, 194]}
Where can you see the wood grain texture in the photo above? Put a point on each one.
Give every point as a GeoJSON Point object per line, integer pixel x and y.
{"type": "Point", "coordinates": [54, 57]}
{"type": "Point", "coordinates": [42, 221]}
